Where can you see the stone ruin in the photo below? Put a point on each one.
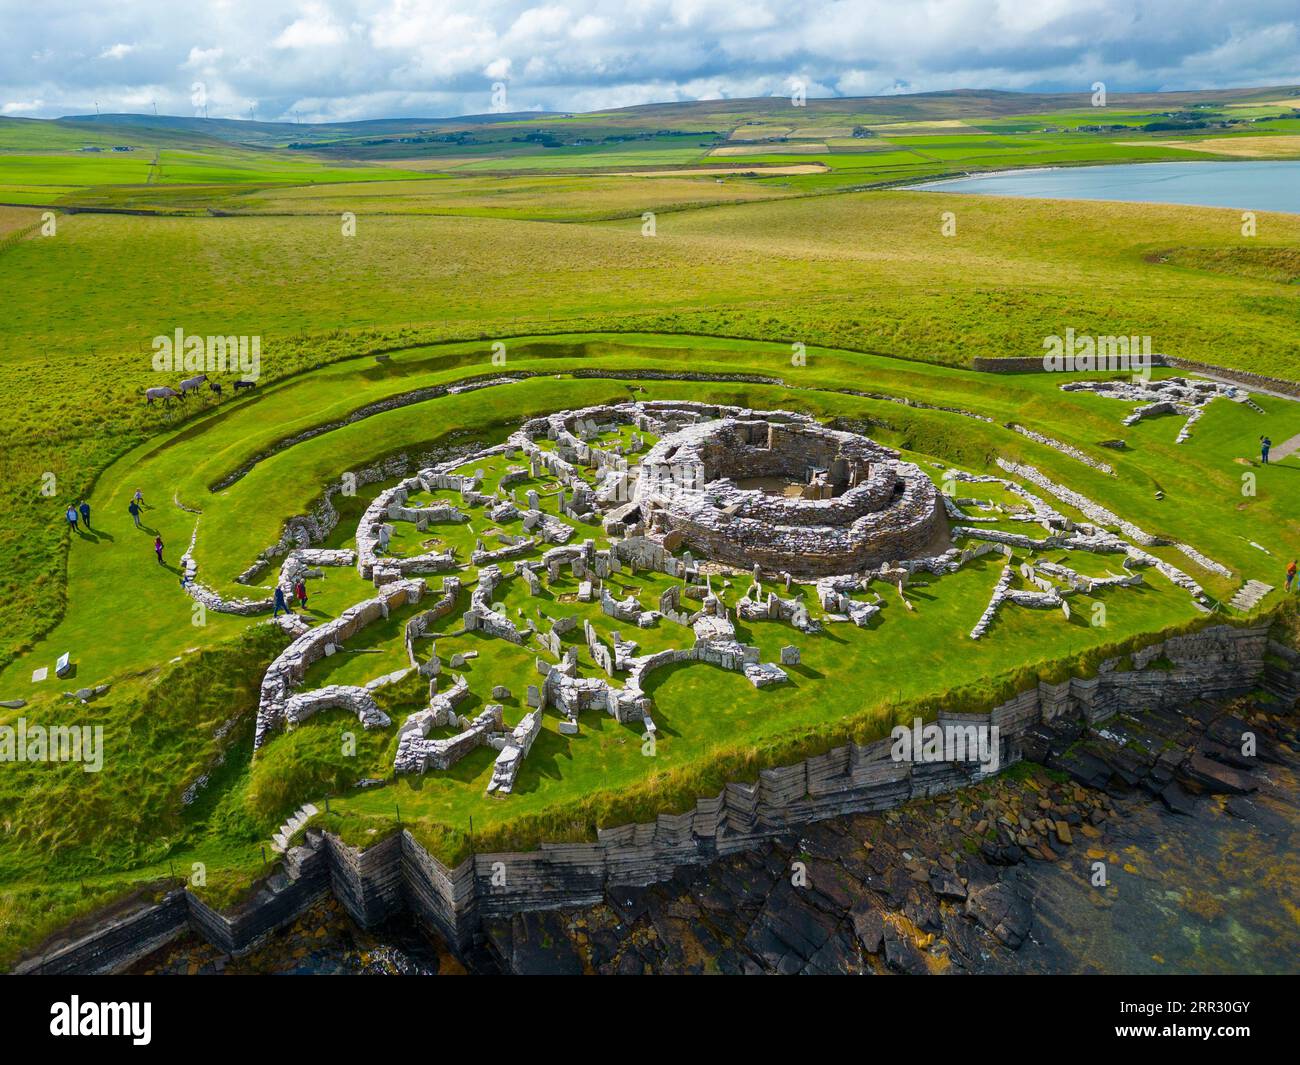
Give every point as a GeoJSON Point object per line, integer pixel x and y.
{"type": "Point", "coordinates": [278, 700]}
{"type": "Point", "coordinates": [724, 491]}
{"type": "Point", "coordinates": [1170, 395]}
{"type": "Point", "coordinates": [788, 495]}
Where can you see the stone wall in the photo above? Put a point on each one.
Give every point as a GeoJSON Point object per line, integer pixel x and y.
{"type": "Point", "coordinates": [290, 667]}
{"type": "Point", "coordinates": [1034, 364]}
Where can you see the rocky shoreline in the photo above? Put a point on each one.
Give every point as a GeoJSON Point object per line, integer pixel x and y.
{"type": "Point", "coordinates": [1195, 840]}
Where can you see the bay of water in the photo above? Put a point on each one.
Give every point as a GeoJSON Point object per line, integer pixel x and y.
{"type": "Point", "coordinates": [1246, 186]}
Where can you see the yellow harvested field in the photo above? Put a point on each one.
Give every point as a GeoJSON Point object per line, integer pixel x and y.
{"type": "Point", "coordinates": [947, 125]}
{"type": "Point", "coordinates": [797, 168]}
{"type": "Point", "coordinates": [1294, 101]}
{"type": "Point", "coordinates": [1282, 146]}
{"type": "Point", "coordinates": [759, 132]}
{"type": "Point", "coordinates": [770, 149]}
{"type": "Point", "coordinates": [14, 218]}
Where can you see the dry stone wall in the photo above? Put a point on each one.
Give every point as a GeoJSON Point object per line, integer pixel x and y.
{"type": "Point", "coordinates": [290, 666]}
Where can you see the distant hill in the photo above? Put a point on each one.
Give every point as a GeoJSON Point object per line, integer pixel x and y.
{"type": "Point", "coordinates": [697, 114]}
{"type": "Point", "coordinates": [662, 127]}
{"type": "Point", "coordinates": [276, 134]}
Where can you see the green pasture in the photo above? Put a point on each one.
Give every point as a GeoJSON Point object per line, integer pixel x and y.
{"type": "Point", "coordinates": [142, 166]}
{"type": "Point", "coordinates": [529, 197]}
{"type": "Point", "coordinates": [127, 615]}
{"type": "Point", "coordinates": [147, 619]}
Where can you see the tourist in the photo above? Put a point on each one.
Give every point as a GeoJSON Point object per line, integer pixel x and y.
{"type": "Point", "coordinates": [280, 604]}
{"type": "Point", "coordinates": [1264, 444]}
{"type": "Point", "coordinates": [139, 498]}
{"type": "Point", "coordinates": [300, 592]}
{"type": "Point", "coordinates": [85, 512]}
{"type": "Point", "coordinates": [134, 509]}
{"type": "Point", "coordinates": [158, 549]}
{"type": "Point", "coordinates": [71, 515]}
{"type": "Point", "coordinates": [1290, 575]}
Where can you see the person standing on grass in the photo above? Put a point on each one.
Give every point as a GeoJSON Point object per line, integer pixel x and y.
{"type": "Point", "coordinates": [280, 604]}
{"type": "Point", "coordinates": [1290, 576]}
{"type": "Point", "coordinates": [139, 498]}
{"type": "Point", "coordinates": [85, 512]}
{"type": "Point", "coordinates": [133, 508]}
{"type": "Point", "coordinates": [158, 549]}
{"type": "Point", "coordinates": [300, 593]}
{"type": "Point", "coordinates": [1264, 444]}
{"type": "Point", "coordinates": [71, 515]}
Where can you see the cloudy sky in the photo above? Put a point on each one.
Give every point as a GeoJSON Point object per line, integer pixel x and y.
{"type": "Point", "coordinates": [353, 59]}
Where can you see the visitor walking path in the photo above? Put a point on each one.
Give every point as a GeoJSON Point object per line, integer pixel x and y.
{"type": "Point", "coordinates": [1284, 449]}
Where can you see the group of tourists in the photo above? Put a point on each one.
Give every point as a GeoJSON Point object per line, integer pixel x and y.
{"type": "Point", "coordinates": [77, 511]}
{"type": "Point", "coordinates": [78, 514]}
{"type": "Point", "coordinates": [299, 593]}
{"type": "Point", "coordinates": [135, 506]}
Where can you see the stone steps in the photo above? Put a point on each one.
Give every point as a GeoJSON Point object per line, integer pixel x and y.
{"type": "Point", "coordinates": [1249, 595]}
{"type": "Point", "coordinates": [280, 840]}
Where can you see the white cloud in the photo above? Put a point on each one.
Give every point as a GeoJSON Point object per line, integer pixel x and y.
{"type": "Point", "coordinates": [374, 58]}
{"type": "Point", "coordinates": [538, 23]}
{"type": "Point", "coordinates": [203, 57]}
{"type": "Point", "coordinates": [315, 28]}
{"type": "Point", "coordinates": [590, 28]}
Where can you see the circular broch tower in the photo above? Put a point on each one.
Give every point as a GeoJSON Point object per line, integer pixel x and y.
{"type": "Point", "coordinates": [788, 496]}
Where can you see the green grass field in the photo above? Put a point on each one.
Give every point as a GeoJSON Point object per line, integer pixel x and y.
{"type": "Point", "coordinates": [458, 245]}
{"type": "Point", "coordinates": [126, 618]}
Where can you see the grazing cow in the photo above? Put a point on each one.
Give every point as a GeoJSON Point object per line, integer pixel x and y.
{"type": "Point", "coordinates": [191, 384]}
{"type": "Point", "coordinates": [162, 392]}
{"type": "Point", "coordinates": [216, 387]}
{"type": "Point", "coordinates": [245, 384]}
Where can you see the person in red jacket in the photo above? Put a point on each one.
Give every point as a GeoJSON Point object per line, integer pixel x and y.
{"type": "Point", "coordinates": [1290, 575]}
{"type": "Point", "coordinates": [300, 592]}
{"type": "Point", "coordinates": [158, 549]}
